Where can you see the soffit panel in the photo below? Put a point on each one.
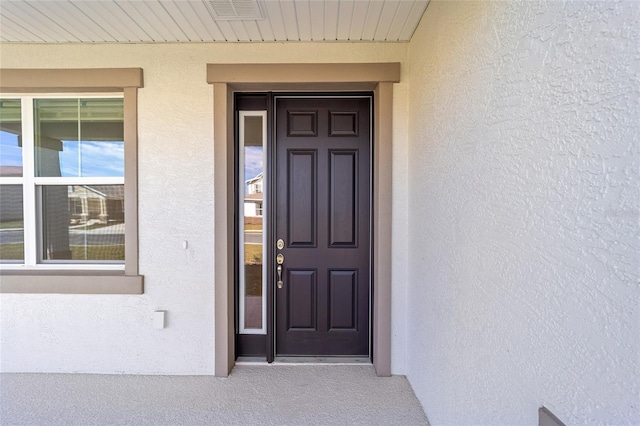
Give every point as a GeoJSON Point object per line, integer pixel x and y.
{"type": "Point", "coordinates": [134, 21]}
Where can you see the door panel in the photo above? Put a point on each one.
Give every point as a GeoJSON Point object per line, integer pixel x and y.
{"type": "Point", "coordinates": [343, 198]}
{"type": "Point", "coordinates": [343, 294]}
{"type": "Point", "coordinates": [301, 293]}
{"type": "Point", "coordinates": [322, 211]}
{"type": "Point", "coordinates": [301, 193]}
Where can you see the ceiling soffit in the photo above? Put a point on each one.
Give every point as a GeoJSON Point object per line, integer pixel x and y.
{"type": "Point", "coordinates": [189, 21]}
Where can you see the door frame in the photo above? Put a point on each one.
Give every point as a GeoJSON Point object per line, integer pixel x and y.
{"type": "Point", "coordinates": [229, 78]}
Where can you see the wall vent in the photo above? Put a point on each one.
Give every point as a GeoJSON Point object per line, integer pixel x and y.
{"type": "Point", "coordinates": [234, 10]}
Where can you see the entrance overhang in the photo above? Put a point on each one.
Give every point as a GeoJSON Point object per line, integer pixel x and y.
{"type": "Point", "coordinates": [229, 78]}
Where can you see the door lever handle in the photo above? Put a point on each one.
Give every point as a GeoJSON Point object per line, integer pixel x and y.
{"type": "Point", "coordinates": [280, 283]}
{"type": "Point", "coordinates": [280, 261]}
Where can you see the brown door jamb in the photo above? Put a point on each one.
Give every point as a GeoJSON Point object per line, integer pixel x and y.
{"type": "Point", "coordinates": [227, 78]}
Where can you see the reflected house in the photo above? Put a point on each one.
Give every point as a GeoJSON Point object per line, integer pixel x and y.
{"type": "Point", "coordinates": [102, 204]}
{"type": "Point", "coordinates": [11, 206]}
{"type": "Point", "coordinates": [253, 214]}
{"type": "Point", "coordinates": [97, 204]}
{"type": "Point", "coordinates": [253, 198]}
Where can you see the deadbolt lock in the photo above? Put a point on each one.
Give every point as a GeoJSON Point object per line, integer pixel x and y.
{"type": "Point", "coordinates": [280, 244]}
{"type": "Point", "coordinates": [280, 259]}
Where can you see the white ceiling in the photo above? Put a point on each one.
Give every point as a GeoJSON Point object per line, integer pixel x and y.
{"type": "Point", "coordinates": [159, 21]}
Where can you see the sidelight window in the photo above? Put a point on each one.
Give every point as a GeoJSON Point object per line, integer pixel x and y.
{"type": "Point", "coordinates": [252, 207]}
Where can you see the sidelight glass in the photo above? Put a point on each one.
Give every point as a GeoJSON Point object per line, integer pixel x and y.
{"type": "Point", "coordinates": [252, 185]}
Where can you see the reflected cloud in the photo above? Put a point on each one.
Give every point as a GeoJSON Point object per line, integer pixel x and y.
{"type": "Point", "coordinates": [252, 161]}
{"type": "Point", "coordinates": [97, 159]}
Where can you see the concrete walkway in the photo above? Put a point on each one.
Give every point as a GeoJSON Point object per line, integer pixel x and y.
{"type": "Point", "coordinates": [252, 395]}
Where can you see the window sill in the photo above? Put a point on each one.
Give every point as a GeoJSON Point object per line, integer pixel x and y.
{"type": "Point", "coordinates": [70, 282]}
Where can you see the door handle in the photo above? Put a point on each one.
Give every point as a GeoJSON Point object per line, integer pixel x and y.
{"type": "Point", "coordinates": [280, 283]}
{"type": "Point", "coordinates": [280, 261]}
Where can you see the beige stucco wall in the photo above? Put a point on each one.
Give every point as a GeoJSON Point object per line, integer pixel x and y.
{"type": "Point", "coordinates": [110, 333]}
{"type": "Point", "coordinates": [524, 170]}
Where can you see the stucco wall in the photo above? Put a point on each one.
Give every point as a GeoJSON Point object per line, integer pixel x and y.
{"type": "Point", "coordinates": [524, 212]}
{"type": "Point", "coordinates": [112, 334]}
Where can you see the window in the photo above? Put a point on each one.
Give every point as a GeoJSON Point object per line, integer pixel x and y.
{"type": "Point", "coordinates": [68, 216]}
{"type": "Point", "coordinates": [67, 155]}
{"type": "Point", "coordinates": [251, 230]}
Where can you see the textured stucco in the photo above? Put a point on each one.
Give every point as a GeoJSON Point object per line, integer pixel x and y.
{"type": "Point", "coordinates": [515, 256]}
{"type": "Point", "coordinates": [112, 334]}
{"type": "Point", "coordinates": [524, 212]}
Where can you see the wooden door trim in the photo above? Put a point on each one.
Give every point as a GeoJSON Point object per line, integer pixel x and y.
{"type": "Point", "coordinates": [228, 78]}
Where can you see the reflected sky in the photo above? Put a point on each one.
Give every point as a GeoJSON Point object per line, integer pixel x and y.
{"type": "Point", "coordinates": [92, 159]}
{"type": "Point", "coordinates": [252, 161]}
{"type": "Point", "coordinates": [10, 152]}
{"type": "Point", "coordinates": [97, 159]}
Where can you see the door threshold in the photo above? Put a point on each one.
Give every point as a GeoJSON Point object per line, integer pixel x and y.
{"type": "Point", "coordinates": [320, 360]}
{"type": "Point", "coordinates": [251, 360]}
{"type": "Point", "coordinates": [304, 360]}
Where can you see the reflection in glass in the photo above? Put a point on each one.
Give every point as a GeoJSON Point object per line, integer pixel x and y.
{"type": "Point", "coordinates": [11, 223]}
{"type": "Point", "coordinates": [253, 180]}
{"type": "Point", "coordinates": [83, 222]}
{"type": "Point", "coordinates": [79, 137]}
{"type": "Point", "coordinates": [10, 137]}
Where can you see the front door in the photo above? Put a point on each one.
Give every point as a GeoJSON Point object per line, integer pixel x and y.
{"type": "Point", "coordinates": [322, 211]}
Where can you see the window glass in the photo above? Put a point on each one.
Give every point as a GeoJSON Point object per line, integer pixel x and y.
{"type": "Point", "coordinates": [82, 222]}
{"type": "Point", "coordinates": [252, 181]}
{"type": "Point", "coordinates": [10, 138]}
{"type": "Point", "coordinates": [79, 137]}
{"type": "Point", "coordinates": [11, 223]}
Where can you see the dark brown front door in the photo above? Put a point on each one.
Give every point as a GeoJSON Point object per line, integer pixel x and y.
{"type": "Point", "coordinates": [322, 190]}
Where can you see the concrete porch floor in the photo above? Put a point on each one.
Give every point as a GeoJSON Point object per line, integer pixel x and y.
{"type": "Point", "coordinates": [252, 395]}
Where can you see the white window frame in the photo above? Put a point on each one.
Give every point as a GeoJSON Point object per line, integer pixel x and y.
{"type": "Point", "coordinates": [30, 184]}
{"type": "Point", "coordinates": [241, 194]}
